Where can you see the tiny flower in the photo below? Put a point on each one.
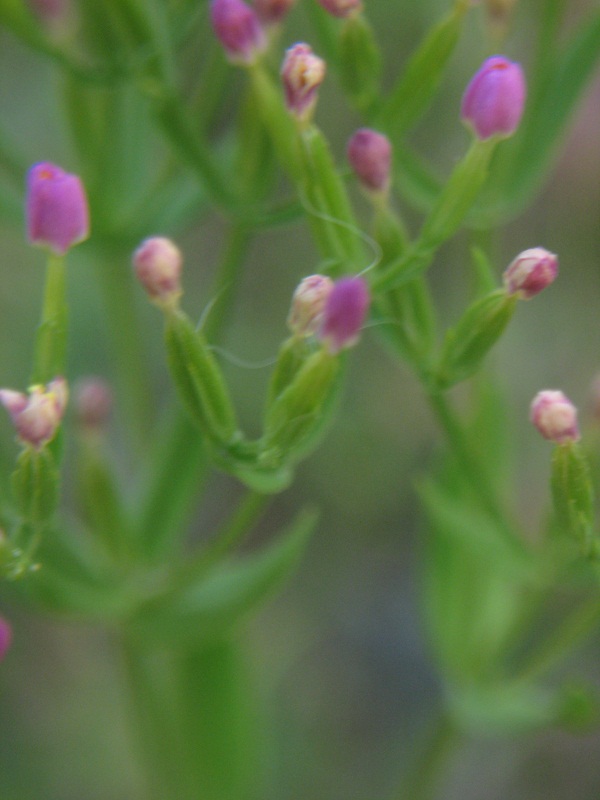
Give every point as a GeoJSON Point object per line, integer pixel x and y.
{"type": "Point", "coordinates": [270, 12]}
{"type": "Point", "coordinates": [57, 209]}
{"type": "Point", "coordinates": [93, 402]}
{"type": "Point", "coordinates": [555, 417]}
{"type": "Point", "coordinates": [302, 73]}
{"type": "Point", "coordinates": [157, 263]}
{"type": "Point", "coordinates": [5, 637]}
{"type": "Point", "coordinates": [494, 99]}
{"type": "Point", "coordinates": [341, 8]}
{"type": "Point", "coordinates": [370, 156]}
{"type": "Point", "coordinates": [530, 272]}
{"type": "Point", "coordinates": [36, 416]}
{"type": "Point", "coordinates": [308, 304]}
{"type": "Point", "coordinates": [238, 29]}
{"type": "Point", "coordinates": [344, 313]}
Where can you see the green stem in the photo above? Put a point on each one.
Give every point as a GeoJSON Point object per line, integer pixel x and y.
{"type": "Point", "coordinates": [423, 775]}
{"type": "Point", "coordinates": [51, 340]}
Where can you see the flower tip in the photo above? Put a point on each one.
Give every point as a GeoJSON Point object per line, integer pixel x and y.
{"type": "Point", "coordinates": [157, 264]}
{"type": "Point", "coordinates": [341, 8]}
{"type": "Point", "coordinates": [238, 28]}
{"type": "Point", "coordinates": [494, 100]}
{"type": "Point", "coordinates": [344, 313]}
{"type": "Point", "coordinates": [370, 156]}
{"type": "Point", "coordinates": [302, 72]}
{"type": "Point", "coordinates": [530, 272]}
{"type": "Point", "coordinates": [308, 305]}
{"type": "Point", "coordinates": [555, 416]}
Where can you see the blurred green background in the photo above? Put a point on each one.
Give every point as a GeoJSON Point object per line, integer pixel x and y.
{"type": "Point", "coordinates": [340, 656]}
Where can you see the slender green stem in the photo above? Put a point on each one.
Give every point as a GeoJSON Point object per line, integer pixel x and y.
{"type": "Point", "coordinates": [51, 340]}
{"type": "Point", "coordinates": [422, 778]}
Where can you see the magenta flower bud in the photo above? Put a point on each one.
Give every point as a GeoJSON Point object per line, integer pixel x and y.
{"type": "Point", "coordinates": [93, 402]}
{"type": "Point", "coordinates": [555, 417]}
{"type": "Point", "coordinates": [308, 304]}
{"type": "Point", "coordinates": [57, 208]}
{"type": "Point", "coordinates": [5, 637]}
{"type": "Point", "coordinates": [370, 156]}
{"type": "Point", "coordinates": [341, 8]}
{"type": "Point", "coordinates": [238, 29]}
{"type": "Point", "coordinates": [270, 12]}
{"type": "Point", "coordinates": [494, 99]}
{"type": "Point", "coordinates": [344, 313]}
{"type": "Point", "coordinates": [530, 272]}
{"type": "Point", "coordinates": [157, 263]}
{"type": "Point", "coordinates": [36, 416]}
{"type": "Point", "coordinates": [302, 73]}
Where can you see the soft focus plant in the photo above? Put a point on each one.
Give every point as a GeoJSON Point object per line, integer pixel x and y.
{"type": "Point", "coordinates": [95, 526]}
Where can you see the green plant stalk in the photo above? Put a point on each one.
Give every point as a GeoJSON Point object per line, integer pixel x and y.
{"type": "Point", "coordinates": [51, 339]}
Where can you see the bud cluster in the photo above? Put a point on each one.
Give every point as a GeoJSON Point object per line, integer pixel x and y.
{"type": "Point", "coordinates": [38, 414]}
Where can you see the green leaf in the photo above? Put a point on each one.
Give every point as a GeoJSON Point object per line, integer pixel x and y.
{"type": "Point", "coordinates": [35, 485]}
{"type": "Point", "coordinates": [207, 609]}
{"type": "Point", "coordinates": [572, 495]}
{"type": "Point", "coordinates": [360, 62]}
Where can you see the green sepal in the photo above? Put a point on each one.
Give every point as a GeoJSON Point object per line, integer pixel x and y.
{"type": "Point", "coordinates": [468, 343]}
{"type": "Point", "coordinates": [572, 495]}
{"type": "Point", "coordinates": [359, 62]}
{"type": "Point", "coordinates": [35, 484]}
{"type": "Point", "coordinates": [421, 77]}
{"type": "Point", "coordinates": [206, 609]}
{"type": "Point", "coordinates": [292, 355]}
{"type": "Point", "coordinates": [199, 380]}
{"type": "Point", "coordinates": [294, 415]}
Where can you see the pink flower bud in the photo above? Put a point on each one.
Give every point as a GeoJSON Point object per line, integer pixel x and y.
{"type": "Point", "coordinates": [36, 416]}
{"type": "Point", "coordinates": [530, 272]}
{"type": "Point", "coordinates": [270, 12]}
{"type": "Point", "coordinates": [494, 99]}
{"type": "Point", "coordinates": [370, 156]}
{"type": "Point", "coordinates": [555, 417]}
{"type": "Point", "coordinates": [308, 304]}
{"type": "Point", "coordinates": [5, 637]}
{"type": "Point", "coordinates": [50, 11]}
{"type": "Point", "coordinates": [238, 29]}
{"type": "Point", "coordinates": [341, 8]}
{"type": "Point", "coordinates": [344, 313]}
{"type": "Point", "coordinates": [57, 209]}
{"type": "Point", "coordinates": [302, 73]}
{"type": "Point", "coordinates": [157, 263]}
{"type": "Point", "coordinates": [93, 402]}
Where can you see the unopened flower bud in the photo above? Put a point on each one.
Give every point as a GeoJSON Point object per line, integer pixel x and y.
{"type": "Point", "coordinates": [341, 8]}
{"type": "Point", "coordinates": [500, 10]}
{"type": "Point", "coordinates": [270, 12]}
{"type": "Point", "coordinates": [308, 303]}
{"type": "Point", "coordinates": [50, 11]}
{"type": "Point", "coordinates": [238, 29]}
{"type": "Point", "coordinates": [530, 272]}
{"type": "Point", "coordinates": [5, 637]}
{"type": "Point", "coordinates": [344, 313]}
{"type": "Point", "coordinates": [36, 416]}
{"type": "Point", "coordinates": [157, 263]}
{"type": "Point", "coordinates": [555, 417]}
{"type": "Point", "coordinates": [57, 209]}
{"type": "Point", "coordinates": [370, 156]}
{"type": "Point", "coordinates": [93, 402]}
{"type": "Point", "coordinates": [494, 99]}
{"type": "Point", "coordinates": [302, 73]}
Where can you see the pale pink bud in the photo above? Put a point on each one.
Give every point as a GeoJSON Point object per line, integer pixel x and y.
{"type": "Point", "coordinates": [56, 208]}
{"type": "Point", "coordinates": [50, 11]}
{"type": "Point", "coordinates": [271, 12]}
{"type": "Point", "coordinates": [308, 304]}
{"type": "Point", "coordinates": [157, 263]}
{"type": "Point", "coordinates": [370, 156]}
{"type": "Point", "coordinates": [238, 29]}
{"type": "Point", "coordinates": [344, 313]}
{"type": "Point", "coordinates": [37, 415]}
{"type": "Point", "coordinates": [555, 416]}
{"type": "Point", "coordinates": [5, 637]}
{"type": "Point", "coordinates": [341, 8]}
{"type": "Point", "coordinates": [530, 272]}
{"type": "Point", "coordinates": [93, 402]}
{"type": "Point", "coordinates": [494, 99]}
{"type": "Point", "coordinates": [302, 73]}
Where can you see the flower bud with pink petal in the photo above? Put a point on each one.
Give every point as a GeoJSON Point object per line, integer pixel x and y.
{"type": "Point", "coordinates": [555, 416]}
{"type": "Point", "coordinates": [530, 272]}
{"type": "Point", "coordinates": [308, 304]}
{"type": "Point", "coordinates": [238, 28]}
{"type": "Point", "coordinates": [341, 8]}
{"type": "Point", "coordinates": [344, 313]}
{"type": "Point", "coordinates": [157, 263]}
{"type": "Point", "coordinates": [302, 73]}
{"type": "Point", "coordinates": [5, 637]}
{"type": "Point", "coordinates": [93, 400]}
{"type": "Point", "coordinates": [370, 156]}
{"type": "Point", "coordinates": [494, 100]}
{"type": "Point", "coordinates": [271, 12]}
{"type": "Point", "coordinates": [56, 208]}
{"type": "Point", "coordinates": [38, 414]}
